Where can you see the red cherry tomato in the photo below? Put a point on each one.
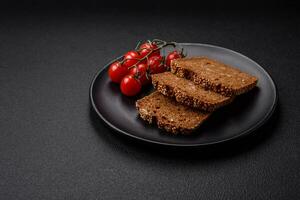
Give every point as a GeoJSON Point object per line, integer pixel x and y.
{"type": "Point", "coordinates": [130, 86]}
{"type": "Point", "coordinates": [117, 71]}
{"type": "Point", "coordinates": [156, 65]}
{"type": "Point", "coordinates": [131, 58]}
{"type": "Point", "coordinates": [147, 47]}
{"type": "Point", "coordinates": [141, 72]}
{"type": "Point", "coordinates": [172, 56]}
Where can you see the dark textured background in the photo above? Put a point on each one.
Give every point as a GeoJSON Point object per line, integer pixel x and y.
{"type": "Point", "coordinates": [53, 146]}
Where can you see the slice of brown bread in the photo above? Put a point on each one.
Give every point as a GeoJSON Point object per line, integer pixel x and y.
{"type": "Point", "coordinates": [214, 75]}
{"type": "Point", "coordinates": [188, 93]}
{"type": "Point", "coordinates": [169, 114]}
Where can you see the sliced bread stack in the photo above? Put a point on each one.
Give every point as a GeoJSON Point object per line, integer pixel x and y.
{"type": "Point", "coordinates": [187, 95]}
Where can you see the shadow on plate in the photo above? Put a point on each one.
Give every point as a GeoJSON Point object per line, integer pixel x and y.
{"type": "Point", "coordinates": [239, 108]}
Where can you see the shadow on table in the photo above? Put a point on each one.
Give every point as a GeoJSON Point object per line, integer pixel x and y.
{"type": "Point", "coordinates": [227, 149]}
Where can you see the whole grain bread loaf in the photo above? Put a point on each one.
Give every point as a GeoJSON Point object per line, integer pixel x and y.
{"type": "Point", "coordinates": [169, 114]}
{"type": "Point", "coordinates": [188, 93]}
{"type": "Point", "coordinates": [213, 75]}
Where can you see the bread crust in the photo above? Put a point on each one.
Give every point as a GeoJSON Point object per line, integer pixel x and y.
{"type": "Point", "coordinates": [170, 88]}
{"type": "Point", "coordinates": [189, 68]}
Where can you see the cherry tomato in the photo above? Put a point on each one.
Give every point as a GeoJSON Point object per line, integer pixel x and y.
{"type": "Point", "coordinates": [117, 71]}
{"type": "Point", "coordinates": [131, 58]}
{"type": "Point", "coordinates": [130, 86]}
{"type": "Point", "coordinates": [146, 47]}
{"type": "Point", "coordinates": [141, 72]}
{"type": "Point", "coordinates": [172, 56]}
{"type": "Point", "coordinates": [156, 64]}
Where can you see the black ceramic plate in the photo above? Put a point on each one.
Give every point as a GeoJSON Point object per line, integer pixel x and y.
{"type": "Point", "coordinates": [247, 113]}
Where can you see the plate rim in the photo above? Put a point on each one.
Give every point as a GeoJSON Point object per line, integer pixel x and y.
{"type": "Point", "coordinates": [241, 134]}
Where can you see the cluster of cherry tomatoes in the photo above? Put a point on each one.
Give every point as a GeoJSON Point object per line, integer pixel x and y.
{"type": "Point", "coordinates": [134, 70]}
